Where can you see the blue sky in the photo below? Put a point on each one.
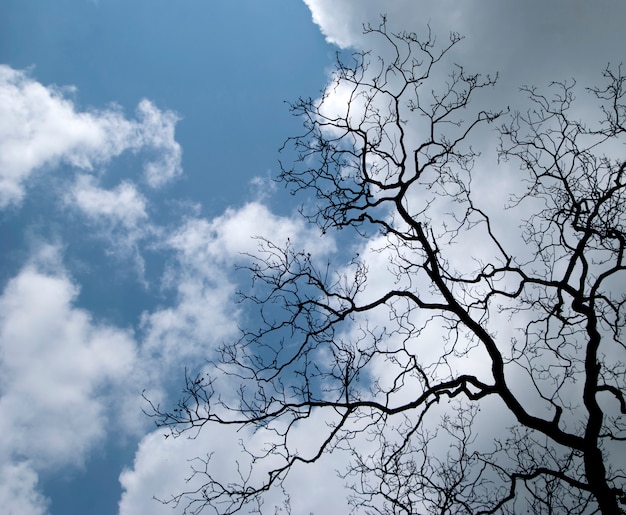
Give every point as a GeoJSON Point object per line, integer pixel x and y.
{"type": "Point", "coordinates": [138, 140]}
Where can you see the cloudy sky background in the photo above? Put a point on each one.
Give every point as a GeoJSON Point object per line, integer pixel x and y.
{"type": "Point", "coordinates": [137, 145]}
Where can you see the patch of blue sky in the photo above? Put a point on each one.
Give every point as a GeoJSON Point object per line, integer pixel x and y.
{"type": "Point", "coordinates": [226, 68]}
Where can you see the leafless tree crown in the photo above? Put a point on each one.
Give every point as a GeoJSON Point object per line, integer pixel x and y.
{"type": "Point", "coordinates": [487, 374]}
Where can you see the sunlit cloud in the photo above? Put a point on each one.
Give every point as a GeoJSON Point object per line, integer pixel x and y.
{"type": "Point", "coordinates": [41, 128]}
{"type": "Point", "coordinates": [18, 490]}
{"type": "Point", "coordinates": [122, 205]}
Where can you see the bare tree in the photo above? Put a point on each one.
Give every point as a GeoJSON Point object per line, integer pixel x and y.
{"type": "Point", "coordinates": [501, 350]}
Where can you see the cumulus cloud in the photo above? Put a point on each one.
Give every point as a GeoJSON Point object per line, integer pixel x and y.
{"type": "Point", "coordinates": [163, 468]}
{"type": "Point", "coordinates": [41, 127]}
{"type": "Point", "coordinates": [122, 205]}
{"type": "Point", "coordinates": [18, 490]}
{"type": "Point", "coordinates": [59, 372]}
{"type": "Point", "coordinates": [56, 360]}
{"type": "Point", "coordinates": [118, 215]}
{"type": "Point", "coordinates": [527, 43]}
{"type": "Point", "coordinates": [202, 316]}
{"type": "Point", "coordinates": [229, 236]}
{"type": "Point", "coordinates": [206, 252]}
{"type": "Point", "coordinates": [342, 22]}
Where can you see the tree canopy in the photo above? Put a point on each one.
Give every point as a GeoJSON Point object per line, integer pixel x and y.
{"type": "Point", "coordinates": [469, 357]}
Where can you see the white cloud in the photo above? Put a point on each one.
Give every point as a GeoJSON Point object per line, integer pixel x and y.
{"type": "Point", "coordinates": [163, 466]}
{"type": "Point", "coordinates": [528, 43]}
{"type": "Point", "coordinates": [342, 21]}
{"type": "Point", "coordinates": [122, 205]}
{"type": "Point", "coordinates": [118, 216]}
{"type": "Point", "coordinates": [263, 187]}
{"type": "Point", "coordinates": [63, 378]}
{"type": "Point", "coordinates": [40, 126]}
{"type": "Point", "coordinates": [226, 238]}
{"type": "Point", "coordinates": [18, 491]}
{"type": "Point", "coordinates": [157, 132]}
{"type": "Point", "coordinates": [206, 252]}
{"type": "Point", "coordinates": [188, 331]}
{"type": "Point", "coordinates": [56, 359]}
